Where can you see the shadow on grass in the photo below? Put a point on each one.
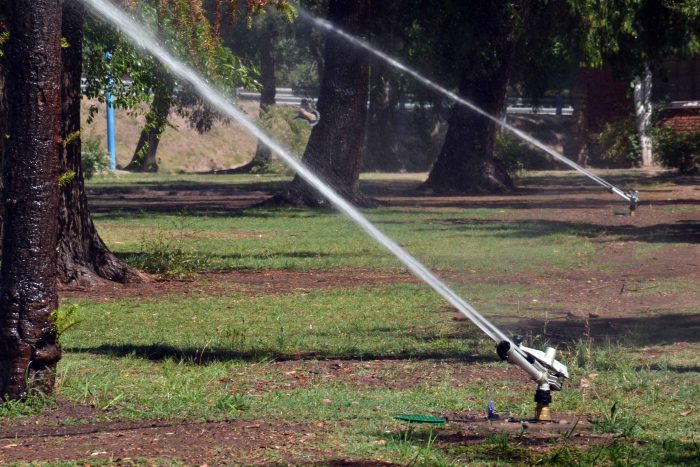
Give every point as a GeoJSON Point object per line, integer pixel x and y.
{"type": "Point", "coordinates": [203, 356]}
{"type": "Point", "coordinates": [642, 331]}
{"type": "Point", "coordinates": [684, 231]}
{"type": "Point", "coordinates": [555, 448]}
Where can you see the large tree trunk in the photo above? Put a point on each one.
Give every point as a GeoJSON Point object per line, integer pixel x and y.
{"type": "Point", "coordinates": [466, 163]}
{"type": "Point", "coordinates": [83, 257]}
{"type": "Point", "coordinates": [29, 350]}
{"type": "Point", "coordinates": [336, 145]}
{"type": "Point", "coordinates": [145, 156]}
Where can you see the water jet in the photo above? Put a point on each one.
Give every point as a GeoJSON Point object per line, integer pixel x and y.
{"type": "Point", "coordinates": [541, 366]}
{"type": "Point", "coordinates": [631, 196]}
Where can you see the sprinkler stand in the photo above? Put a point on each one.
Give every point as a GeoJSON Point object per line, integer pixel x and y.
{"type": "Point", "coordinates": [543, 368]}
{"type": "Point", "coordinates": [543, 397]}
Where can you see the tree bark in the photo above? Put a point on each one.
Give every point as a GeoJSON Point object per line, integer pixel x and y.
{"type": "Point", "coordinates": [145, 156]}
{"type": "Point", "coordinates": [266, 42]}
{"type": "Point", "coordinates": [83, 257]}
{"type": "Point", "coordinates": [29, 350]}
{"type": "Point", "coordinates": [382, 138]}
{"type": "Point", "coordinates": [336, 145]}
{"type": "Point", "coordinates": [466, 163]}
{"type": "Point", "coordinates": [3, 126]}
{"type": "Point", "coordinates": [382, 151]}
{"type": "Point", "coordinates": [643, 111]}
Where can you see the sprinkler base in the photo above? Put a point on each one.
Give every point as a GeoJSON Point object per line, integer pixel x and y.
{"type": "Point", "coordinates": [542, 413]}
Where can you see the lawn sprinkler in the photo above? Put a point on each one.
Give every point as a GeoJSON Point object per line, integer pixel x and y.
{"type": "Point", "coordinates": [543, 368]}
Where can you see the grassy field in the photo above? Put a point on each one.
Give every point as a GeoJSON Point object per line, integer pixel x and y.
{"type": "Point", "coordinates": [337, 359]}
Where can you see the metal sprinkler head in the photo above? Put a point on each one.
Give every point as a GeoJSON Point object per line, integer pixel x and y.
{"type": "Point", "coordinates": [634, 200]}
{"type": "Point", "coordinates": [543, 368]}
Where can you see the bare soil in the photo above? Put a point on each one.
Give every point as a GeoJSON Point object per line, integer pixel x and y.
{"type": "Point", "coordinates": [584, 302]}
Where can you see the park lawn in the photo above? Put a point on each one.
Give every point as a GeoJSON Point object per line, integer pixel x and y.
{"type": "Point", "coordinates": [346, 358]}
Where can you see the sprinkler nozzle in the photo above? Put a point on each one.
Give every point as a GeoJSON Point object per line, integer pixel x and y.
{"type": "Point", "coordinates": [634, 200]}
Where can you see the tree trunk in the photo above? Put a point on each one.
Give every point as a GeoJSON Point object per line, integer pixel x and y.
{"type": "Point", "coordinates": [82, 255]}
{"type": "Point", "coordinates": [466, 163]}
{"type": "Point", "coordinates": [3, 126]}
{"type": "Point", "coordinates": [261, 162]}
{"type": "Point", "coordinates": [382, 152]}
{"type": "Point", "coordinates": [382, 133]}
{"type": "Point", "coordinates": [643, 111]}
{"type": "Point", "coordinates": [144, 158]}
{"type": "Point", "coordinates": [336, 145]}
{"type": "Point", "coordinates": [29, 350]}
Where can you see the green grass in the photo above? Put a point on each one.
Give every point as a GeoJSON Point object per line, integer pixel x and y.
{"type": "Point", "coordinates": [452, 239]}
{"type": "Point", "coordinates": [247, 353]}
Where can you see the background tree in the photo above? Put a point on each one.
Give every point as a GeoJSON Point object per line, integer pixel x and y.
{"type": "Point", "coordinates": [478, 44]}
{"type": "Point", "coordinates": [28, 348]}
{"type": "Point", "coordinates": [382, 122]}
{"type": "Point", "coordinates": [483, 49]}
{"type": "Point", "coordinates": [336, 145]}
{"type": "Point", "coordinates": [634, 37]}
{"type": "Point", "coordinates": [83, 257]}
{"type": "Point", "coordinates": [187, 28]}
{"type": "Point", "coordinates": [4, 35]}
{"type": "Point", "coordinates": [285, 51]}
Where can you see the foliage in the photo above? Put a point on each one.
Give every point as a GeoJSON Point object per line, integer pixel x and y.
{"type": "Point", "coordinates": [617, 422]}
{"type": "Point", "coordinates": [166, 254]}
{"type": "Point", "coordinates": [4, 36]}
{"type": "Point", "coordinates": [619, 143]}
{"type": "Point", "coordinates": [515, 154]}
{"type": "Point", "coordinates": [94, 158]}
{"type": "Point", "coordinates": [64, 318]}
{"type": "Point", "coordinates": [65, 178]}
{"type": "Point", "coordinates": [629, 33]}
{"type": "Point", "coordinates": [677, 150]}
{"type": "Point", "coordinates": [280, 123]}
{"type": "Point", "coordinates": [133, 76]}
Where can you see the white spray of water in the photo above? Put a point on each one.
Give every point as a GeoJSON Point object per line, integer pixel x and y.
{"type": "Point", "coordinates": [145, 40]}
{"type": "Point", "coordinates": [327, 25]}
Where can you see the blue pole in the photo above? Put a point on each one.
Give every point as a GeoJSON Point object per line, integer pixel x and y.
{"type": "Point", "coordinates": [110, 119]}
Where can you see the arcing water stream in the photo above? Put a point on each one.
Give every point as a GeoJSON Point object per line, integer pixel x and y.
{"type": "Point", "coordinates": [541, 366]}
{"type": "Point", "coordinates": [630, 196]}
{"type": "Point", "coordinates": [148, 42]}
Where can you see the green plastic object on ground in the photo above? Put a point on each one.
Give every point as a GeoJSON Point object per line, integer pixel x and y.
{"type": "Point", "coordinates": [421, 419]}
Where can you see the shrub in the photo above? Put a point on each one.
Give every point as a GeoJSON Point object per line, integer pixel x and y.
{"type": "Point", "coordinates": [515, 155]}
{"type": "Point", "coordinates": [293, 134]}
{"type": "Point", "coordinates": [165, 253]}
{"type": "Point", "coordinates": [94, 158]}
{"type": "Point", "coordinates": [619, 143]}
{"type": "Point", "coordinates": [677, 150]}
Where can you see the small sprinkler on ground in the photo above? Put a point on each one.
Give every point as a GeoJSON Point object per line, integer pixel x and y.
{"type": "Point", "coordinates": [543, 368]}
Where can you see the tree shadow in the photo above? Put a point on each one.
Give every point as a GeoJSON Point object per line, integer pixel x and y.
{"type": "Point", "coordinates": [206, 355]}
{"type": "Point", "coordinates": [682, 231]}
{"type": "Point", "coordinates": [637, 330]}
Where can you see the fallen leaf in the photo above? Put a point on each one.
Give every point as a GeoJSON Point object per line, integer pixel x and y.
{"type": "Point", "coordinates": [381, 441]}
{"type": "Point", "coordinates": [585, 383]}
{"type": "Point", "coordinates": [327, 401]}
{"type": "Point", "coordinates": [9, 446]}
{"type": "Point", "coordinates": [97, 453]}
{"type": "Point", "coordinates": [685, 414]}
